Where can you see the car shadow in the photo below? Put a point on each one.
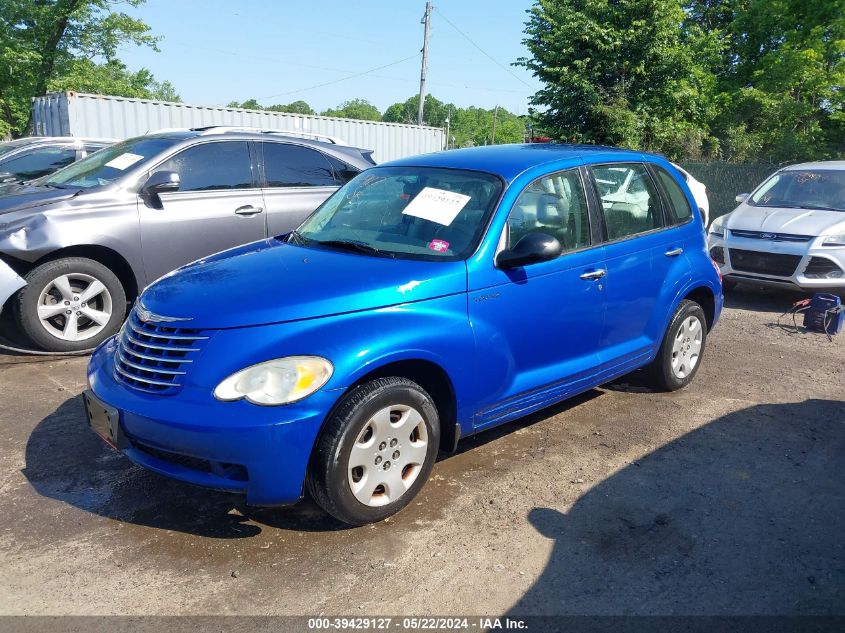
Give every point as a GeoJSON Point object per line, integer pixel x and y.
{"type": "Point", "coordinates": [67, 462]}
{"type": "Point", "coordinates": [745, 515]}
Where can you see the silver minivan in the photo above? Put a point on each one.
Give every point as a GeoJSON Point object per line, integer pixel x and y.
{"type": "Point", "coordinates": [78, 245]}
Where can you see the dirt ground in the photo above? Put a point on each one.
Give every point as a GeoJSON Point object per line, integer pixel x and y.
{"type": "Point", "coordinates": [725, 498]}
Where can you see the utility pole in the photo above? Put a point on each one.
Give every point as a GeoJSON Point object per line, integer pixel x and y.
{"type": "Point", "coordinates": [427, 21]}
{"type": "Point", "coordinates": [448, 123]}
{"type": "Point", "coordinates": [495, 112]}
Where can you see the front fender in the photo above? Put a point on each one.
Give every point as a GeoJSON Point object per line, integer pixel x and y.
{"type": "Point", "coordinates": [357, 343]}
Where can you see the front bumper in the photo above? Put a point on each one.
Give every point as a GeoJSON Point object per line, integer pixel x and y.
{"type": "Point", "coordinates": [798, 277]}
{"type": "Point", "coordinates": [233, 446]}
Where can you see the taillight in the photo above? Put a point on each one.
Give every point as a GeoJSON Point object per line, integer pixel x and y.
{"type": "Point", "coordinates": [718, 270]}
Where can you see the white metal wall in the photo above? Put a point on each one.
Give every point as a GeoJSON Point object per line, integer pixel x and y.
{"type": "Point", "coordinates": [77, 114]}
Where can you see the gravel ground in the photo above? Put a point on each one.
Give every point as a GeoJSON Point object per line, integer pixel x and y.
{"type": "Point", "coordinates": [725, 498]}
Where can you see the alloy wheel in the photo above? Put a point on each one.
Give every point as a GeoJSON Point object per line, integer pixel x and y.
{"type": "Point", "coordinates": [74, 307]}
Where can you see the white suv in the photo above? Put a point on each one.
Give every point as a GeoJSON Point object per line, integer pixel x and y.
{"type": "Point", "coordinates": [789, 232]}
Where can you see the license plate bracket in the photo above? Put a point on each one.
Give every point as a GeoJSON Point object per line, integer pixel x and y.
{"type": "Point", "coordinates": [104, 420]}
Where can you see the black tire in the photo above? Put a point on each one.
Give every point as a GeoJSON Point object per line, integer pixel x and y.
{"type": "Point", "coordinates": [40, 277]}
{"type": "Point", "coordinates": [661, 372]}
{"type": "Point", "coordinates": [328, 473]}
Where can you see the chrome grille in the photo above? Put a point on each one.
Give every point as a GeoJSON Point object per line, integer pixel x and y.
{"type": "Point", "coordinates": [772, 237]}
{"type": "Point", "coordinates": [155, 357]}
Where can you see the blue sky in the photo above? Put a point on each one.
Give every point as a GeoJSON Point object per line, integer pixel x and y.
{"type": "Point", "coordinates": [216, 51]}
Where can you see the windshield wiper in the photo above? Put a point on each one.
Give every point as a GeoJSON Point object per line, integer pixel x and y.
{"type": "Point", "coordinates": [815, 208]}
{"type": "Point", "coordinates": [352, 245]}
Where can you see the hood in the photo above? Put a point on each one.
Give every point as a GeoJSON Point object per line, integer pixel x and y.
{"type": "Point", "coordinates": [273, 282]}
{"type": "Point", "coordinates": [21, 197]}
{"type": "Point", "coordinates": [785, 220]}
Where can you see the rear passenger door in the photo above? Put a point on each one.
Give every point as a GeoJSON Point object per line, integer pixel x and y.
{"type": "Point", "coordinates": [297, 179]}
{"type": "Point", "coordinates": [644, 252]}
{"type": "Point", "coordinates": [218, 206]}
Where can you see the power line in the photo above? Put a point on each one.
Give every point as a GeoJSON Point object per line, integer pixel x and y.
{"type": "Point", "coordinates": [488, 55]}
{"type": "Point", "coordinates": [329, 83]}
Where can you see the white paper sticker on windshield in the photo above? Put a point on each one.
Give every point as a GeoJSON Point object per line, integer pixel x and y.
{"type": "Point", "coordinates": [124, 160]}
{"type": "Point", "coordinates": [437, 205]}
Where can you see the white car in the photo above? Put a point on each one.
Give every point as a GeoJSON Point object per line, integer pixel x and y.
{"type": "Point", "coordinates": [620, 185]}
{"type": "Point", "coordinates": [790, 232]}
{"type": "Point", "coordinates": [699, 192]}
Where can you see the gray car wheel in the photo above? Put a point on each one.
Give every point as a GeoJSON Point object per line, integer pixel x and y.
{"type": "Point", "coordinates": [70, 304]}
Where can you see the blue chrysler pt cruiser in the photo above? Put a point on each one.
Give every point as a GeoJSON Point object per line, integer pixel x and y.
{"type": "Point", "coordinates": [428, 299]}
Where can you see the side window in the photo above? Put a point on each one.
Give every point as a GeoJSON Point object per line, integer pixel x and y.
{"type": "Point", "coordinates": [343, 173]}
{"type": "Point", "coordinates": [629, 199]}
{"type": "Point", "coordinates": [212, 166]}
{"type": "Point", "coordinates": [556, 205]}
{"type": "Point", "coordinates": [680, 209]}
{"type": "Point", "coordinates": [288, 165]}
{"type": "Point", "coordinates": [39, 162]}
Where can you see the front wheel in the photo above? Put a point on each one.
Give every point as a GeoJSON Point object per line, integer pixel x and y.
{"type": "Point", "coordinates": [376, 451]}
{"type": "Point", "coordinates": [70, 304]}
{"type": "Point", "coordinates": [682, 348]}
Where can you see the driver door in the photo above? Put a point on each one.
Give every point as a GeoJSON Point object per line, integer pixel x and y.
{"type": "Point", "coordinates": [538, 326]}
{"type": "Point", "coordinates": [218, 206]}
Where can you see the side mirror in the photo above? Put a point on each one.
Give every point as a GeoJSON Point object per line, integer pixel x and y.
{"type": "Point", "coordinates": [742, 197]}
{"type": "Point", "coordinates": [158, 183]}
{"type": "Point", "coordinates": [531, 249]}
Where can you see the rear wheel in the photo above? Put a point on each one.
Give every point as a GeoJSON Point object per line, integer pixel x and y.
{"type": "Point", "coordinates": [682, 348]}
{"type": "Point", "coordinates": [376, 451]}
{"type": "Point", "coordinates": [70, 304]}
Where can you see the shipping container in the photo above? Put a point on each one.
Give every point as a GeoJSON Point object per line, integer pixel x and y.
{"type": "Point", "coordinates": [78, 114]}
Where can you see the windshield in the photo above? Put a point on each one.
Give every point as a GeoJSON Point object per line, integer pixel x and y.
{"type": "Point", "coordinates": [107, 165]}
{"type": "Point", "coordinates": [406, 212]}
{"type": "Point", "coordinates": [803, 189]}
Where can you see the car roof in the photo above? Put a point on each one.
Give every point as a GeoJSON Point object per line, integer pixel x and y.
{"type": "Point", "coordinates": [46, 140]}
{"type": "Point", "coordinates": [508, 161]}
{"type": "Point", "coordinates": [348, 151]}
{"type": "Point", "coordinates": [822, 164]}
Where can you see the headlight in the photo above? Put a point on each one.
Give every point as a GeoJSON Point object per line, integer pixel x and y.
{"type": "Point", "coordinates": [278, 381]}
{"type": "Point", "coordinates": [716, 227]}
{"type": "Point", "coordinates": [834, 240]}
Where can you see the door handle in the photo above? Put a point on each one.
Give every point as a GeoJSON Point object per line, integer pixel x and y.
{"type": "Point", "coordinates": [248, 210]}
{"type": "Point", "coordinates": [594, 274]}
{"type": "Point", "coordinates": [674, 252]}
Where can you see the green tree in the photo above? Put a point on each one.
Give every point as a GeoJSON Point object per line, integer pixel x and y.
{"type": "Point", "coordinates": [297, 107]}
{"type": "Point", "coordinates": [623, 72]}
{"type": "Point", "coordinates": [435, 111]}
{"type": "Point", "coordinates": [782, 78]}
{"type": "Point", "coordinates": [45, 43]}
{"type": "Point", "coordinates": [355, 109]}
{"type": "Point", "coordinates": [113, 78]}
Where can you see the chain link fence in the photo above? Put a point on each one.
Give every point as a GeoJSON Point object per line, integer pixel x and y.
{"type": "Point", "coordinates": [725, 180]}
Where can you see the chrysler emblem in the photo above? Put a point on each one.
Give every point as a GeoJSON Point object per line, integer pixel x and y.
{"type": "Point", "coordinates": [151, 317]}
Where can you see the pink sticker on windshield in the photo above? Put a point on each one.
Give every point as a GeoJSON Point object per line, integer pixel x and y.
{"type": "Point", "coordinates": [441, 246]}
